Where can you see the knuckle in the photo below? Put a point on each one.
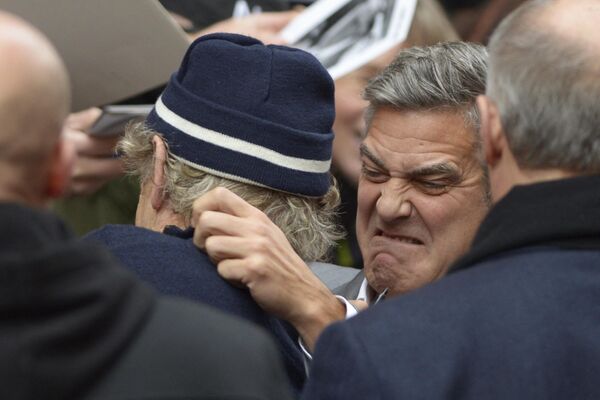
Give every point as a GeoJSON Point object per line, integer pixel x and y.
{"type": "Point", "coordinates": [219, 191]}
{"type": "Point", "coordinates": [204, 220]}
{"type": "Point", "coordinates": [261, 244]}
{"type": "Point", "coordinates": [210, 244]}
{"type": "Point", "coordinates": [256, 266]}
{"type": "Point", "coordinates": [223, 270]}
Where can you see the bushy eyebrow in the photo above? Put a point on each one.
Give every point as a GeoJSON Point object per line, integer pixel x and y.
{"type": "Point", "coordinates": [447, 171]}
{"type": "Point", "coordinates": [365, 152]}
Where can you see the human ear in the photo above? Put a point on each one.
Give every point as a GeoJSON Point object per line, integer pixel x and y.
{"type": "Point", "coordinates": [157, 194]}
{"type": "Point", "coordinates": [491, 130]}
{"type": "Point", "coordinates": [60, 169]}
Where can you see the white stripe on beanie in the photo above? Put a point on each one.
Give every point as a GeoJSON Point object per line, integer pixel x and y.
{"type": "Point", "coordinates": [239, 145]}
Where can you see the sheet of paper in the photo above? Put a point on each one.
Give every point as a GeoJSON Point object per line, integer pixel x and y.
{"type": "Point", "coordinates": [346, 34]}
{"type": "Point", "coordinates": [113, 49]}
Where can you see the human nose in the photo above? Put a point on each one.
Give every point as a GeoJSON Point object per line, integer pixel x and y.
{"type": "Point", "coordinates": [393, 202]}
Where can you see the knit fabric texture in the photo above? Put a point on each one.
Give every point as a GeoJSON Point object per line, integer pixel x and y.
{"type": "Point", "coordinates": [258, 114]}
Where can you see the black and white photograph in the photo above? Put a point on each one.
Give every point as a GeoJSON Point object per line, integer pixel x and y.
{"type": "Point", "coordinates": [350, 33]}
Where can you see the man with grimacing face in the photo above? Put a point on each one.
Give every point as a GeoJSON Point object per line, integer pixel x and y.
{"type": "Point", "coordinates": [422, 189]}
{"type": "Point", "coordinates": [422, 193]}
{"type": "Point", "coordinates": [420, 196]}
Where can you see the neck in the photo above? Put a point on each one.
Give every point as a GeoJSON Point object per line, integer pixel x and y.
{"type": "Point", "coordinates": [522, 177]}
{"type": "Point", "coordinates": [156, 220]}
{"type": "Point", "coordinates": [163, 219]}
{"type": "Point", "coordinates": [531, 176]}
{"type": "Point", "coordinates": [21, 195]}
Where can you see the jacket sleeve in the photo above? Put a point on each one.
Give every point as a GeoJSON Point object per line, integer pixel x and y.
{"type": "Point", "coordinates": [341, 367]}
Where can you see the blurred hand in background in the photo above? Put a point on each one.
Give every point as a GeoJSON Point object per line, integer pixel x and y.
{"type": "Point", "coordinates": [96, 162]}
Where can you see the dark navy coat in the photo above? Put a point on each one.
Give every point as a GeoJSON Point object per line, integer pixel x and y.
{"type": "Point", "coordinates": [519, 317]}
{"type": "Point", "coordinates": [173, 265]}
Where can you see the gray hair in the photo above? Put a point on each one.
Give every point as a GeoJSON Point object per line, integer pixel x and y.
{"type": "Point", "coordinates": [309, 224]}
{"type": "Point", "coordinates": [547, 91]}
{"type": "Point", "coordinates": [445, 76]}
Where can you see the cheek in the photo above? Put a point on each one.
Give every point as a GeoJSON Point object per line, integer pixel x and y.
{"type": "Point", "coordinates": [453, 224]}
{"type": "Point", "coordinates": [367, 196]}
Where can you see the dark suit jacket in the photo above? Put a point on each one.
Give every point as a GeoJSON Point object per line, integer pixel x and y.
{"type": "Point", "coordinates": [174, 266]}
{"type": "Point", "coordinates": [350, 289]}
{"type": "Point", "coordinates": [517, 319]}
{"type": "Point", "coordinates": [336, 277]}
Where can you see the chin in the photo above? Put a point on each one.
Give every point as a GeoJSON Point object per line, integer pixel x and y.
{"type": "Point", "coordinates": [385, 271]}
{"type": "Point", "coordinates": [379, 275]}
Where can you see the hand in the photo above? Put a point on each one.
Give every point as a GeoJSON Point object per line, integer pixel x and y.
{"type": "Point", "coordinates": [264, 26]}
{"type": "Point", "coordinates": [95, 164]}
{"type": "Point", "coordinates": [251, 251]}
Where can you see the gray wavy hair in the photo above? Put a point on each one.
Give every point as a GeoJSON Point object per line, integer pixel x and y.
{"type": "Point", "coordinates": [547, 91]}
{"type": "Point", "coordinates": [443, 76]}
{"type": "Point", "coordinates": [309, 224]}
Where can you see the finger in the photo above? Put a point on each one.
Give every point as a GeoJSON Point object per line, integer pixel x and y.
{"type": "Point", "coordinates": [212, 223]}
{"type": "Point", "coordinates": [233, 271]}
{"type": "Point", "coordinates": [223, 200]}
{"type": "Point", "coordinates": [83, 120]}
{"type": "Point", "coordinates": [87, 145]}
{"type": "Point", "coordinates": [221, 247]}
{"type": "Point", "coordinates": [274, 39]}
{"type": "Point", "coordinates": [84, 187]}
{"type": "Point", "coordinates": [275, 21]}
{"type": "Point", "coordinates": [100, 169]}
{"type": "Point", "coordinates": [182, 21]}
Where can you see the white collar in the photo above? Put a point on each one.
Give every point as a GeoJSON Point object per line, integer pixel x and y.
{"type": "Point", "coordinates": [363, 293]}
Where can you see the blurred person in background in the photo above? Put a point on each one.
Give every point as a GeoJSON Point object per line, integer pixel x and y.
{"type": "Point", "coordinates": [476, 19]}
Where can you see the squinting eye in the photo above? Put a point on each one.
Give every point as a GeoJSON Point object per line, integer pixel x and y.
{"type": "Point", "coordinates": [434, 188]}
{"type": "Point", "coordinates": [372, 174]}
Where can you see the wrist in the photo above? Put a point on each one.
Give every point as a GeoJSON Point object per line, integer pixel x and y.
{"type": "Point", "coordinates": [316, 316]}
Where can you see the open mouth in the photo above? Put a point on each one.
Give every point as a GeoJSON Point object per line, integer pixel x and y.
{"type": "Point", "coordinates": [399, 238]}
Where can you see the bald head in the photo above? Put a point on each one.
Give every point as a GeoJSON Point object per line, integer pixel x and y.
{"type": "Point", "coordinates": [574, 20]}
{"type": "Point", "coordinates": [34, 100]}
{"type": "Point", "coordinates": [544, 76]}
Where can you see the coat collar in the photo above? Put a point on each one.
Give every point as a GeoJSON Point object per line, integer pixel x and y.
{"type": "Point", "coordinates": [563, 213]}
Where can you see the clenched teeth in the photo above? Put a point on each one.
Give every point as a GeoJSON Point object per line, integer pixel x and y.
{"type": "Point", "coordinates": [401, 238]}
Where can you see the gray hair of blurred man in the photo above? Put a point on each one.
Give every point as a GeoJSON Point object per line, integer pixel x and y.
{"type": "Point", "coordinates": [309, 224]}
{"type": "Point", "coordinates": [443, 76]}
{"type": "Point", "coordinates": [547, 91]}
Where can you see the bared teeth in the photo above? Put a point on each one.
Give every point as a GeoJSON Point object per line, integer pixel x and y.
{"type": "Point", "coordinates": [401, 239]}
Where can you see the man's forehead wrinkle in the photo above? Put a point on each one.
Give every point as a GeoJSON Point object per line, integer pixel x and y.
{"type": "Point", "coordinates": [414, 140]}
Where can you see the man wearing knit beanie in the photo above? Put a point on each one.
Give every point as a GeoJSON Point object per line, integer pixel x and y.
{"type": "Point", "coordinates": [252, 118]}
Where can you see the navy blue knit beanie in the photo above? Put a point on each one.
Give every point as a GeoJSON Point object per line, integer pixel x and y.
{"type": "Point", "coordinates": [250, 113]}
